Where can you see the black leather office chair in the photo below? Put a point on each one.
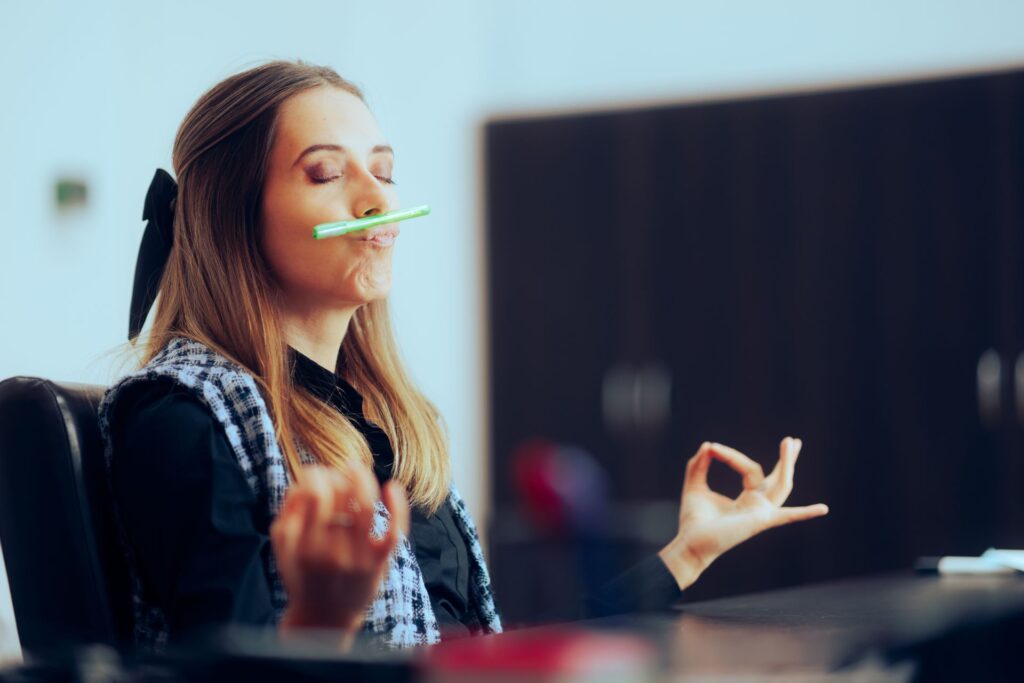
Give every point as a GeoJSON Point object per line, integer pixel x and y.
{"type": "Point", "coordinates": [67, 576]}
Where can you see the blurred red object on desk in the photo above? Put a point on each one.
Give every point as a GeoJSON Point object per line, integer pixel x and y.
{"type": "Point", "coordinates": [542, 654]}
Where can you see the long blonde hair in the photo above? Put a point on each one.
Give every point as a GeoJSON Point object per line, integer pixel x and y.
{"type": "Point", "coordinates": [217, 289]}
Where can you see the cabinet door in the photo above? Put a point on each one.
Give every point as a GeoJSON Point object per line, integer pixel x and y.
{"type": "Point", "coordinates": [551, 257]}
{"type": "Point", "coordinates": [571, 309]}
{"type": "Point", "coordinates": [1008, 126]}
{"type": "Point", "coordinates": [830, 269]}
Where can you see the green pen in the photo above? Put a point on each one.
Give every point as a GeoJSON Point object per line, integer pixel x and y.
{"type": "Point", "coordinates": [345, 227]}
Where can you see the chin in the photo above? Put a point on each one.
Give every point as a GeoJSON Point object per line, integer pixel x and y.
{"type": "Point", "coordinates": [358, 298]}
{"type": "Point", "coordinates": [372, 289]}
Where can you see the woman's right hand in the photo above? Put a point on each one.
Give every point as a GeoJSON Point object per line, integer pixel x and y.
{"type": "Point", "coordinates": [329, 563]}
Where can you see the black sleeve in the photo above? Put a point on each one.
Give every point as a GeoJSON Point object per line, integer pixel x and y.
{"type": "Point", "coordinates": [193, 522]}
{"type": "Point", "coordinates": [647, 586]}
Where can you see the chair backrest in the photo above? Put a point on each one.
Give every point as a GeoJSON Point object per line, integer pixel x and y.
{"type": "Point", "coordinates": [68, 580]}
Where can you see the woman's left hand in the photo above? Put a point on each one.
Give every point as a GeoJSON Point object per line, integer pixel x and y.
{"type": "Point", "coordinates": [710, 523]}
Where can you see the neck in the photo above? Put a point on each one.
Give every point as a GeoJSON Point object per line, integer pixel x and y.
{"type": "Point", "coordinates": [318, 334]}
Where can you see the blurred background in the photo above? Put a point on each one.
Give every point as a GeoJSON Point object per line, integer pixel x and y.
{"type": "Point", "coordinates": [654, 223]}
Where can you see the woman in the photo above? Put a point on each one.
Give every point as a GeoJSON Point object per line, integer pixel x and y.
{"type": "Point", "coordinates": [271, 402]}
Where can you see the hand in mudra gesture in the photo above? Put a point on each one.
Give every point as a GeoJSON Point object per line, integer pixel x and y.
{"type": "Point", "coordinates": [329, 562]}
{"type": "Point", "coordinates": [710, 523]}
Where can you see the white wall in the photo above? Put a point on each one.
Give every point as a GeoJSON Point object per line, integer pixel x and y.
{"type": "Point", "coordinates": [556, 53]}
{"type": "Point", "coordinates": [100, 88]}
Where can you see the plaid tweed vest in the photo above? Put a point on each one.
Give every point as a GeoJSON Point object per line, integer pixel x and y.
{"type": "Point", "coordinates": [400, 614]}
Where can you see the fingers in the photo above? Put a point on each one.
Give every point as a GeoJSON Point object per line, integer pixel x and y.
{"type": "Point", "coordinates": [753, 475]}
{"type": "Point", "coordinates": [779, 483]}
{"type": "Point", "coordinates": [789, 515]}
{"type": "Point", "coordinates": [308, 521]}
{"type": "Point", "coordinates": [317, 489]}
{"type": "Point", "coordinates": [326, 487]}
{"type": "Point", "coordinates": [697, 468]}
{"type": "Point", "coordinates": [326, 494]}
{"type": "Point", "coordinates": [362, 491]}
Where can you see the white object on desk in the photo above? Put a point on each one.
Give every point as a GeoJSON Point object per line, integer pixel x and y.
{"type": "Point", "coordinates": [1007, 558]}
{"type": "Point", "coordinates": [954, 564]}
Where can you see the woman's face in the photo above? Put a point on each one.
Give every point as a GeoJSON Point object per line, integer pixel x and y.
{"type": "Point", "coordinates": [329, 162]}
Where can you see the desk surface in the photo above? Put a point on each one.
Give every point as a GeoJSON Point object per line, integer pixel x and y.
{"type": "Point", "coordinates": [831, 625]}
{"type": "Point", "coordinates": [942, 627]}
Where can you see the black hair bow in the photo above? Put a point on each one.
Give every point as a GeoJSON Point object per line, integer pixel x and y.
{"type": "Point", "coordinates": [157, 241]}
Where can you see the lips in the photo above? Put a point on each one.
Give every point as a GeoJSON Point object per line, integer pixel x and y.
{"type": "Point", "coordinates": [382, 235]}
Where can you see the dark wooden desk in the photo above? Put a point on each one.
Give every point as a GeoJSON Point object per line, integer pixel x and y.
{"type": "Point", "coordinates": [954, 628]}
{"type": "Point", "coordinates": [893, 627]}
{"type": "Point", "coordinates": [922, 628]}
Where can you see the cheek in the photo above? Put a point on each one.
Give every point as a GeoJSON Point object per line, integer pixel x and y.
{"type": "Point", "coordinates": [294, 256]}
{"type": "Point", "coordinates": [289, 255]}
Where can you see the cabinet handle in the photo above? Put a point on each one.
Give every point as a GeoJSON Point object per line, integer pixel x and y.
{"type": "Point", "coordinates": [652, 398]}
{"type": "Point", "coordinates": [1018, 387]}
{"type": "Point", "coordinates": [636, 399]}
{"type": "Point", "coordinates": [989, 381]}
{"type": "Point", "coordinates": [617, 398]}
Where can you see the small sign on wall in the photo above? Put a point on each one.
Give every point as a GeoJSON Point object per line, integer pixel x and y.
{"type": "Point", "coordinates": [70, 193]}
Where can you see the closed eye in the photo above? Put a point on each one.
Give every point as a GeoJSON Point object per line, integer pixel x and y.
{"type": "Point", "coordinates": [383, 179]}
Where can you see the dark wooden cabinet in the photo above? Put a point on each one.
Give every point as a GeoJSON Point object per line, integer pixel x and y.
{"type": "Point", "coordinates": [843, 266]}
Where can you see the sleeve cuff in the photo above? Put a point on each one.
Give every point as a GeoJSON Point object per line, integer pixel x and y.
{"type": "Point", "coordinates": [647, 586]}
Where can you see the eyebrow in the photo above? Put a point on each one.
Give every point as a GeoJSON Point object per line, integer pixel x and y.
{"type": "Point", "coordinates": [377, 149]}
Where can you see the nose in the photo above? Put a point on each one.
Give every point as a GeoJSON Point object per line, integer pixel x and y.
{"type": "Point", "coordinates": [369, 197]}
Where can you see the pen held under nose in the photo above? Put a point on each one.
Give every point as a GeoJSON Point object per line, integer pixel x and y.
{"type": "Point", "coordinates": [339, 228]}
